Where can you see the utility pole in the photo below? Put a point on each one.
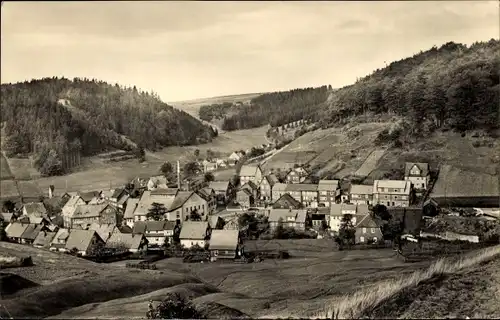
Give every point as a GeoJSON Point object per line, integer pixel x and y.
{"type": "Point", "coordinates": [178, 174]}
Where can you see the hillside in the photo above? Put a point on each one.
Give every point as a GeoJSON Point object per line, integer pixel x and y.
{"type": "Point", "coordinates": [275, 108]}
{"type": "Point", "coordinates": [451, 87]}
{"type": "Point", "coordinates": [88, 116]}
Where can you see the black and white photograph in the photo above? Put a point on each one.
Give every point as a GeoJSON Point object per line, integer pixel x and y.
{"type": "Point", "coordinates": [250, 160]}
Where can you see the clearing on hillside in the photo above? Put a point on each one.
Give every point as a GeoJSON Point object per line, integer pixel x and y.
{"type": "Point", "coordinates": [370, 163]}
{"type": "Point", "coordinates": [5, 172]}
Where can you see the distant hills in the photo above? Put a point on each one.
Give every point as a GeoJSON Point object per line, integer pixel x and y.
{"type": "Point", "coordinates": [89, 117]}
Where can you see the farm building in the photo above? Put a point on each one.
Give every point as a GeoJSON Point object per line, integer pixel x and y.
{"type": "Point", "coordinates": [460, 188]}
{"type": "Point", "coordinates": [43, 239]}
{"type": "Point", "coordinates": [59, 241]}
{"type": "Point", "coordinates": [194, 233]}
{"type": "Point", "coordinates": [132, 242]}
{"type": "Point", "coordinates": [95, 213]}
{"type": "Point", "coordinates": [15, 230]}
{"type": "Point", "coordinates": [184, 203]}
{"type": "Point", "coordinates": [224, 244]}
{"type": "Point", "coordinates": [286, 201]}
{"type": "Point", "coordinates": [36, 209]}
{"type": "Point", "coordinates": [83, 241]}
{"type": "Point", "coordinates": [32, 230]}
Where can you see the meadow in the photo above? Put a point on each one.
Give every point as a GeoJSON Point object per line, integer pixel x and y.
{"type": "Point", "coordinates": [5, 172]}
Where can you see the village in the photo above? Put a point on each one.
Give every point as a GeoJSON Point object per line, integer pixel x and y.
{"type": "Point", "coordinates": [208, 215]}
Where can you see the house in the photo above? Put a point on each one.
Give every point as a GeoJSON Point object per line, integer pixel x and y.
{"type": "Point", "coordinates": [215, 222]}
{"type": "Point", "coordinates": [250, 173]}
{"type": "Point", "coordinates": [35, 220]}
{"type": "Point", "coordinates": [296, 175]}
{"type": "Point", "coordinates": [159, 233]}
{"type": "Point", "coordinates": [103, 230]}
{"type": "Point", "coordinates": [98, 213]}
{"type": "Point", "coordinates": [338, 210]}
{"type": "Point", "coordinates": [140, 183]}
{"type": "Point", "coordinates": [306, 193]}
{"type": "Point", "coordinates": [60, 239]}
{"type": "Point", "coordinates": [392, 193]}
{"type": "Point", "coordinates": [129, 212]}
{"type": "Point", "coordinates": [209, 166]}
{"type": "Point", "coordinates": [132, 242]}
{"type": "Point", "coordinates": [368, 231]}
{"type": "Point", "coordinates": [455, 187]}
{"type": "Point", "coordinates": [69, 209]}
{"type": "Point", "coordinates": [221, 163]}
{"type": "Point", "coordinates": [235, 157]}
{"type": "Point", "coordinates": [286, 201]}
{"type": "Point", "coordinates": [224, 244]}
{"type": "Point", "coordinates": [222, 191]}
{"type": "Point", "coordinates": [329, 191]}
{"type": "Point", "coordinates": [194, 233]}
{"type": "Point", "coordinates": [83, 241]}
{"type": "Point", "coordinates": [29, 235]}
{"type": "Point", "coordinates": [244, 198]}
{"type": "Point", "coordinates": [43, 239]}
{"type": "Point", "coordinates": [231, 223]}
{"type": "Point", "coordinates": [418, 174]}
{"type": "Point", "coordinates": [157, 182]}
{"type": "Point", "coordinates": [290, 218]}
{"type": "Point", "coordinates": [266, 187]}
{"type": "Point", "coordinates": [361, 194]}
{"type": "Point", "coordinates": [162, 196]}
{"type": "Point", "coordinates": [91, 196]}
{"type": "Point", "coordinates": [184, 203]}
{"type": "Point", "coordinates": [278, 190]}
{"type": "Point", "coordinates": [119, 197]}
{"type": "Point", "coordinates": [15, 230]}
{"type": "Point", "coordinates": [7, 217]}
{"type": "Point", "coordinates": [252, 188]}
{"type": "Point", "coordinates": [36, 209]}
{"type": "Point", "coordinates": [208, 194]}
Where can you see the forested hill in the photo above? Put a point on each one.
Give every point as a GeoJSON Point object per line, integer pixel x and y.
{"type": "Point", "coordinates": [275, 108]}
{"type": "Point", "coordinates": [451, 87]}
{"type": "Point", "coordinates": [91, 116]}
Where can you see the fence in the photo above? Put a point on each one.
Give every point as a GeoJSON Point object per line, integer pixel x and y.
{"type": "Point", "coordinates": [141, 265]}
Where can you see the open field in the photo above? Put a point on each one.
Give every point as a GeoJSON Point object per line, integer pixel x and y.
{"type": "Point", "coordinates": [5, 172]}
{"type": "Point", "coordinates": [22, 169]}
{"type": "Point", "coordinates": [95, 174]}
{"type": "Point", "coordinates": [193, 106]}
{"type": "Point", "coordinates": [8, 189]}
{"type": "Point", "coordinates": [370, 163]}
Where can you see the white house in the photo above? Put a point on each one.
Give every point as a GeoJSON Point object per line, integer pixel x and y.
{"type": "Point", "coordinates": [418, 174]}
{"type": "Point", "coordinates": [338, 210]}
{"type": "Point", "coordinates": [194, 233]}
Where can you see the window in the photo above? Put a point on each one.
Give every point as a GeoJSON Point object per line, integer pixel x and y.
{"type": "Point", "coordinates": [361, 239]}
{"type": "Point", "coordinates": [423, 185]}
{"type": "Point", "coordinates": [364, 230]}
{"type": "Point", "coordinates": [373, 230]}
{"type": "Point", "coordinates": [375, 239]}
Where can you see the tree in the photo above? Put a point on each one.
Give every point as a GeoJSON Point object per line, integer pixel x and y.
{"type": "Point", "coordinates": [157, 211]}
{"type": "Point", "coordinates": [9, 206]}
{"type": "Point", "coordinates": [194, 215]}
{"type": "Point", "coordinates": [347, 232]}
{"type": "Point", "coordinates": [197, 153]}
{"type": "Point", "coordinates": [52, 165]}
{"type": "Point", "coordinates": [3, 234]}
{"type": "Point", "coordinates": [380, 211]}
{"type": "Point", "coordinates": [209, 177]}
{"type": "Point", "coordinates": [141, 153]}
{"type": "Point", "coordinates": [167, 169]}
{"type": "Point", "coordinates": [174, 306]}
{"type": "Point", "coordinates": [191, 168]}
{"type": "Point", "coordinates": [210, 154]}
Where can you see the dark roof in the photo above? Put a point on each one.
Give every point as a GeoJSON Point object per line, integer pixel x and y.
{"type": "Point", "coordinates": [117, 193]}
{"type": "Point", "coordinates": [31, 232]}
{"type": "Point", "coordinates": [301, 187]}
{"type": "Point", "coordinates": [219, 185]}
{"type": "Point", "coordinates": [87, 196]}
{"type": "Point", "coordinates": [287, 197]}
{"type": "Point", "coordinates": [424, 168]}
{"type": "Point", "coordinates": [139, 227]}
{"type": "Point", "coordinates": [367, 222]}
{"type": "Point", "coordinates": [80, 239]}
{"type": "Point", "coordinates": [180, 199]}
{"type": "Point", "coordinates": [44, 238]}
{"type": "Point", "coordinates": [194, 230]}
{"type": "Point", "coordinates": [124, 229]}
{"type": "Point", "coordinates": [16, 230]}
{"type": "Point", "coordinates": [272, 179]}
{"type": "Point", "coordinates": [245, 191]}
{"type": "Point", "coordinates": [160, 225]}
{"type": "Point", "coordinates": [252, 185]}
{"type": "Point", "coordinates": [35, 208]}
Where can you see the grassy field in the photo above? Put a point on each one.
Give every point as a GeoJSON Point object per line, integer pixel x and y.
{"type": "Point", "coordinates": [95, 174]}
{"type": "Point", "coordinates": [9, 189]}
{"type": "Point", "coordinates": [5, 172]}
{"type": "Point", "coordinates": [370, 163]}
{"type": "Point", "coordinates": [193, 106]}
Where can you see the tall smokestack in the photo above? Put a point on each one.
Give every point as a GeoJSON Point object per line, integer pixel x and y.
{"type": "Point", "coordinates": [178, 174]}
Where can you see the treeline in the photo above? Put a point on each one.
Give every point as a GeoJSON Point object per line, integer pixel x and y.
{"type": "Point", "coordinates": [277, 108]}
{"type": "Point", "coordinates": [55, 116]}
{"type": "Point", "coordinates": [451, 87]}
{"type": "Point", "coordinates": [216, 111]}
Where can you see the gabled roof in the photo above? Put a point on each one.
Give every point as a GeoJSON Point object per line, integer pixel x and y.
{"type": "Point", "coordinates": [276, 214]}
{"type": "Point", "coordinates": [123, 199]}
{"type": "Point", "coordinates": [219, 185]}
{"type": "Point", "coordinates": [224, 240]}
{"type": "Point", "coordinates": [103, 230]}
{"type": "Point", "coordinates": [361, 189]}
{"type": "Point", "coordinates": [424, 168]}
{"type": "Point", "coordinates": [15, 229]}
{"type": "Point", "coordinates": [129, 240]}
{"type": "Point", "coordinates": [194, 230]}
{"type": "Point", "coordinates": [38, 220]}
{"type": "Point", "coordinates": [62, 234]}
{"type": "Point", "coordinates": [35, 208]}
{"type": "Point", "coordinates": [139, 227]}
{"type": "Point", "coordinates": [44, 239]}
{"type": "Point", "coordinates": [250, 184]}
{"type": "Point", "coordinates": [337, 209]}
{"type": "Point", "coordinates": [213, 221]}
{"type": "Point", "coordinates": [123, 229]}
{"type": "Point", "coordinates": [160, 225]}
{"type": "Point", "coordinates": [117, 193]}
{"type": "Point", "coordinates": [301, 187]}
{"type": "Point", "coordinates": [403, 185]}
{"type": "Point", "coordinates": [205, 193]}
{"type": "Point", "coordinates": [301, 216]}
{"type": "Point", "coordinates": [164, 191]}
{"type": "Point", "coordinates": [367, 222]}
{"type": "Point", "coordinates": [106, 194]}
{"type": "Point", "coordinates": [244, 191]}
{"type": "Point", "coordinates": [72, 202]}
{"type": "Point", "coordinates": [147, 200]}
{"type": "Point", "coordinates": [31, 232]}
{"type": "Point", "coordinates": [328, 185]}
{"type": "Point", "coordinates": [89, 210]}
{"type": "Point", "coordinates": [272, 179]}
{"type": "Point", "coordinates": [248, 171]}
{"type": "Point", "coordinates": [279, 187]}
{"type": "Point", "coordinates": [80, 239]}
{"type": "Point", "coordinates": [88, 196]}
{"type": "Point", "coordinates": [180, 199]}
{"type": "Point", "coordinates": [6, 216]}
{"type": "Point", "coordinates": [287, 197]}
{"type": "Point", "coordinates": [131, 206]}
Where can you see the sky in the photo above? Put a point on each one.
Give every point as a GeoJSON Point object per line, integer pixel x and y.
{"type": "Point", "coordinates": [194, 49]}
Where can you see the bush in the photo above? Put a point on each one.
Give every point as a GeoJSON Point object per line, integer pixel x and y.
{"type": "Point", "coordinates": [174, 307]}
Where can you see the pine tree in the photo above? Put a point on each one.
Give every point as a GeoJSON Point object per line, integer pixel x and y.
{"type": "Point", "coordinates": [156, 212]}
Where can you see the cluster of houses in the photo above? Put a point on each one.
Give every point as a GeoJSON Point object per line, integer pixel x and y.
{"type": "Point", "coordinates": [210, 165]}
